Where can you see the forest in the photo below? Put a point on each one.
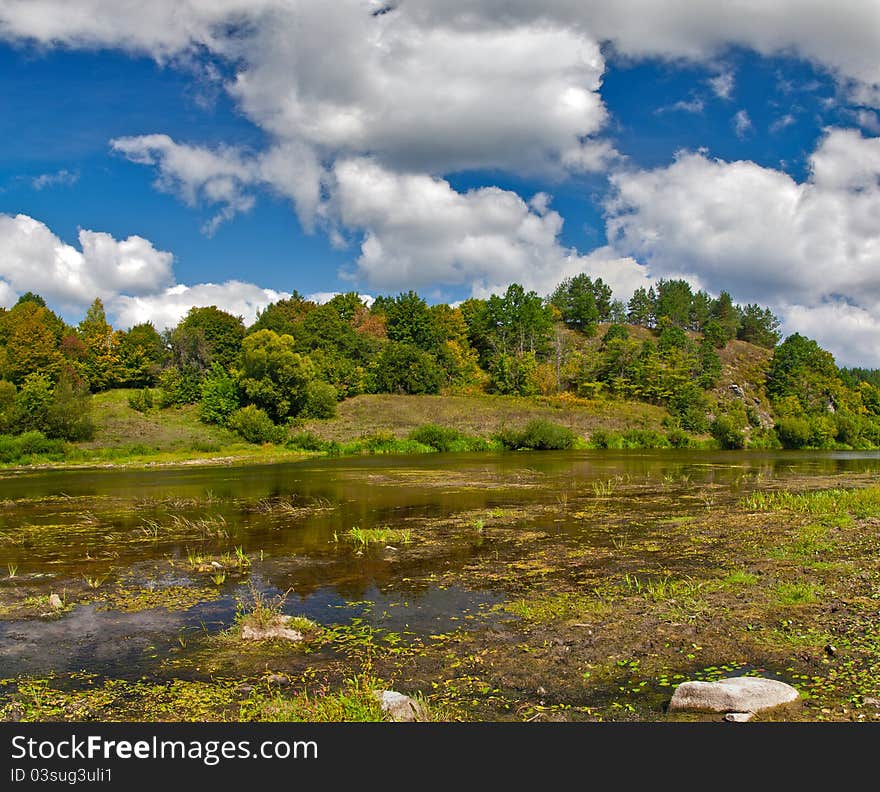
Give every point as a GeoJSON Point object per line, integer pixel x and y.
{"type": "Point", "coordinates": [299, 359]}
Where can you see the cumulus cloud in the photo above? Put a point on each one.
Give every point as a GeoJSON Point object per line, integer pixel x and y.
{"type": "Point", "coordinates": [224, 178]}
{"type": "Point", "coordinates": [134, 280]}
{"type": "Point", "coordinates": [420, 231]}
{"type": "Point", "coordinates": [757, 232]}
{"type": "Point", "coordinates": [33, 258]}
{"type": "Point", "coordinates": [168, 307]}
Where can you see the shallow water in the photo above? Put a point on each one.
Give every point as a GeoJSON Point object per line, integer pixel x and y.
{"type": "Point", "coordinates": [95, 535]}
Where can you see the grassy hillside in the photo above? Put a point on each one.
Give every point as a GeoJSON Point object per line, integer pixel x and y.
{"type": "Point", "coordinates": [481, 415]}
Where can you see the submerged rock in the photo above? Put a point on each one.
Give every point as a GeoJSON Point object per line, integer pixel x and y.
{"type": "Point", "coordinates": [400, 707]}
{"type": "Point", "coordinates": [736, 694]}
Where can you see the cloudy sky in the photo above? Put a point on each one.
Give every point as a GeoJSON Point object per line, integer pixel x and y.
{"type": "Point", "coordinates": [180, 152]}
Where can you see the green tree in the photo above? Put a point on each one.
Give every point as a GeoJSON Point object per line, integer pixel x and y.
{"type": "Point", "coordinates": [219, 396]}
{"type": "Point", "coordinates": [674, 302]}
{"type": "Point", "coordinates": [102, 363]}
{"type": "Point", "coordinates": [205, 336]}
{"type": "Point", "coordinates": [576, 301]}
{"type": "Point", "coordinates": [640, 309]}
{"type": "Point", "coordinates": [758, 326]}
{"type": "Point", "coordinates": [32, 335]}
{"type": "Point", "coordinates": [283, 316]}
{"type": "Point", "coordinates": [142, 353]}
{"type": "Point", "coordinates": [724, 312]}
{"type": "Point", "coordinates": [404, 368]}
{"type": "Point", "coordinates": [802, 370]}
{"type": "Point", "coordinates": [409, 321]}
{"type": "Point", "coordinates": [274, 377]}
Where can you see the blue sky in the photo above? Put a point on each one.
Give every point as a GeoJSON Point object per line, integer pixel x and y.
{"type": "Point", "coordinates": [175, 155]}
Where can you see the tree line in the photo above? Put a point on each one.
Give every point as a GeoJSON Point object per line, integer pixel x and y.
{"type": "Point", "coordinates": [299, 358]}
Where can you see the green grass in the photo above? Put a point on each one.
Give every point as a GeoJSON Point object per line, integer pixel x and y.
{"type": "Point", "coordinates": [860, 503]}
{"type": "Point", "coordinates": [788, 594]}
{"type": "Point", "coordinates": [362, 537]}
{"type": "Point", "coordinates": [353, 703]}
{"type": "Point", "coordinates": [740, 578]}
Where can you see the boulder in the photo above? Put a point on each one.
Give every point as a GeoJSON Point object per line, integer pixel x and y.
{"type": "Point", "coordinates": [278, 629]}
{"type": "Point", "coordinates": [400, 707]}
{"type": "Point", "coordinates": [735, 694]}
{"type": "Point", "coordinates": [55, 602]}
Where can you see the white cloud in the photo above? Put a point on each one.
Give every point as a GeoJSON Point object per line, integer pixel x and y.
{"type": "Point", "coordinates": [168, 307]}
{"type": "Point", "coordinates": [419, 232]}
{"type": "Point", "coordinates": [32, 258]}
{"type": "Point", "coordinates": [722, 84]}
{"type": "Point", "coordinates": [134, 280]}
{"type": "Point", "coordinates": [742, 124]}
{"type": "Point", "coordinates": [757, 232]}
{"type": "Point", "coordinates": [848, 331]}
{"type": "Point", "coordinates": [782, 122]}
{"type": "Point", "coordinates": [62, 177]}
{"type": "Point", "coordinates": [868, 120]}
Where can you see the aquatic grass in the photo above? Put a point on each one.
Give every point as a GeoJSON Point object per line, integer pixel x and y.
{"type": "Point", "coordinates": [562, 606]}
{"type": "Point", "coordinates": [363, 537]}
{"type": "Point", "coordinates": [860, 503]}
{"type": "Point", "coordinates": [12, 569]}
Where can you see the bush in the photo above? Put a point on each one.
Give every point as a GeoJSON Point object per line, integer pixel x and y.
{"type": "Point", "coordinates": [602, 438]}
{"type": "Point", "coordinates": [321, 400]}
{"type": "Point", "coordinates": [644, 438]}
{"type": "Point", "coordinates": [728, 432]}
{"type": "Point", "coordinates": [220, 397]}
{"type": "Point", "coordinates": [179, 387]}
{"type": "Point", "coordinates": [141, 400]}
{"type": "Point", "coordinates": [441, 438]}
{"type": "Point", "coordinates": [306, 441]}
{"type": "Point", "coordinates": [793, 432]}
{"type": "Point", "coordinates": [13, 449]}
{"type": "Point", "coordinates": [255, 426]}
{"type": "Point", "coordinates": [679, 438]}
{"type": "Point", "coordinates": [538, 435]}
{"type": "Point", "coordinates": [403, 368]}
{"type": "Point", "coordinates": [69, 415]}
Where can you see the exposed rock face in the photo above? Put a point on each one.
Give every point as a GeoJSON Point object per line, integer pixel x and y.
{"type": "Point", "coordinates": [400, 707]}
{"type": "Point", "coordinates": [736, 694]}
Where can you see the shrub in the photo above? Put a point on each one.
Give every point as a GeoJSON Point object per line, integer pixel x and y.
{"type": "Point", "coordinates": [403, 368]}
{"type": "Point", "coordinates": [13, 449]}
{"type": "Point", "coordinates": [255, 426]}
{"type": "Point", "coordinates": [728, 432]}
{"type": "Point", "coordinates": [307, 441]}
{"type": "Point", "coordinates": [321, 400]}
{"type": "Point", "coordinates": [538, 435]}
{"type": "Point", "coordinates": [220, 396]}
{"type": "Point", "coordinates": [644, 438]}
{"type": "Point", "coordinates": [179, 387]}
{"type": "Point", "coordinates": [441, 438]}
{"type": "Point", "coordinates": [793, 432]}
{"type": "Point", "coordinates": [679, 438]}
{"type": "Point", "coordinates": [141, 400]}
{"type": "Point", "coordinates": [602, 438]}
{"type": "Point", "coordinates": [69, 415]}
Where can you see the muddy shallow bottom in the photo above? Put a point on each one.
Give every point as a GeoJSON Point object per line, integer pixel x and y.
{"type": "Point", "coordinates": [573, 586]}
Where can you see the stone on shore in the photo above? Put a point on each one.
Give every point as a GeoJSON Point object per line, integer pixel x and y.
{"type": "Point", "coordinates": [735, 694]}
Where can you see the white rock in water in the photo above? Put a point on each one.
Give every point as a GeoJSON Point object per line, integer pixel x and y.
{"type": "Point", "coordinates": [399, 707]}
{"type": "Point", "coordinates": [739, 717]}
{"type": "Point", "coordinates": [736, 694]}
{"type": "Point", "coordinates": [55, 602]}
{"type": "Point", "coordinates": [275, 630]}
